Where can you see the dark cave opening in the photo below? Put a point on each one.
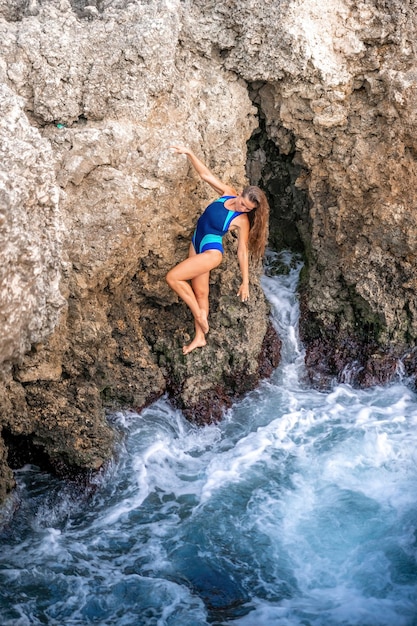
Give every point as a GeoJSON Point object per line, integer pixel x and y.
{"type": "Point", "coordinates": [22, 450]}
{"type": "Point", "coordinates": [279, 175]}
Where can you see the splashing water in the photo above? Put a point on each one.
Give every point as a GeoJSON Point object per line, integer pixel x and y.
{"type": "Point", "coordinates": [299, 508]}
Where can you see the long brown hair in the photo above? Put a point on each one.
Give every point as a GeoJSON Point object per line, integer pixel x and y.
{"type": "Point", "coordinates": [258, 220]}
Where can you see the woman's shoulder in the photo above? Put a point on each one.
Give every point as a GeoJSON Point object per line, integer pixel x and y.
{"type": "Point", "coordinates": [240, 220]}
{"type": "Point", "coordinates": [228, 190]}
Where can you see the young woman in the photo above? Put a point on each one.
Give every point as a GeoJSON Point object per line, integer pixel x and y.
{"type": "Point", "coordinates": [247, 213]}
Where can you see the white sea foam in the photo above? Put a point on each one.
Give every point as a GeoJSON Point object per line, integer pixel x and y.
{"type": "Point", "coordinates": [299, 508]}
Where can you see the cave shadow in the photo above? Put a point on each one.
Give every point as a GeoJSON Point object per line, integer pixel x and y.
{"type": "Point", "coordinates": [282, 177]}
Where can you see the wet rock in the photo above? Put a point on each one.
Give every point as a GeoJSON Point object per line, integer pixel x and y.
{"type": "Point", "coordinates": [6, 475]}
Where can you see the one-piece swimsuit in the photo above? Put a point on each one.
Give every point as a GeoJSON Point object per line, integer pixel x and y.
{"type": "Point", "coordinates": [212, 225]}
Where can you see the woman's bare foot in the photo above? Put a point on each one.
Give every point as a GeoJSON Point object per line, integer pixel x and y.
{"type": "Point", "coordinates": [197, 342]}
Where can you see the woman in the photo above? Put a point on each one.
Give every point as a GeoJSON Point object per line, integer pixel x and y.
{"type": "Point", "coordinates": [248, 214]}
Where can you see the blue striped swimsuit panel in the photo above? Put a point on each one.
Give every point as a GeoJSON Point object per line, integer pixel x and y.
{"type": "Point", "coordinates": [212, 225]}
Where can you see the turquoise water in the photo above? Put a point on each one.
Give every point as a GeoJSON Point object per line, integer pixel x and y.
{"type": "Point", "coordinates": [299, 508]}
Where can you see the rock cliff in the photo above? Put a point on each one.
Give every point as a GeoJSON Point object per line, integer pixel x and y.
{"type": "Point", "coordinates": [95, 208]}
{"type": "Point", "coordinates": [336, 83]}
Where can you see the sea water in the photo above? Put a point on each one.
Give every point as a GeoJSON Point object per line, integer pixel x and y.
{"type": "Point", "coordinates": [298, 508]}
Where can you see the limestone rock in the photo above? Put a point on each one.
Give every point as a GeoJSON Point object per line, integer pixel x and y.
{"type": "Point", "coordinates": [98, 208]}
{"type": "Point", "coordinates": [30, 235]}
{"type": "Point", "coordinates": [338, 77]}
{"type": "Point", "coordinates": [95, 208]}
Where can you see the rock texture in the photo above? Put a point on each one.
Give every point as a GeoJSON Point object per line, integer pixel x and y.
{"type": "Point", "coordinates": [336, 84]}
{"type": "Point", "coordinates": [349, 101]}
{"type": "Point", "coordinates": [95, 208]}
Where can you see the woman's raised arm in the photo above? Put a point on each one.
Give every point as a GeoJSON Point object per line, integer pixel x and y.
{"type": "Point", "coordinates": [204, 172]}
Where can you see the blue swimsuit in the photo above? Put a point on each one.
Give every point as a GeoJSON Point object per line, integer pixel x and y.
{"type": "Point", "coordinates": [212, 225]}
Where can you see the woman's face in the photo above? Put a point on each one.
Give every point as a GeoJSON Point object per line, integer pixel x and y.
{"type": "Point", "coordinates": [244, 205]}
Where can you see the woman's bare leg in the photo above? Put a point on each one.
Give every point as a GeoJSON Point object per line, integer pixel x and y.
{"type": "Point", "coordinates": [200, 286]}
{"type": "Point", "coordinates": [194, 266]}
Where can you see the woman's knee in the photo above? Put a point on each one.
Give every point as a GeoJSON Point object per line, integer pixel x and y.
{"type": "Point", "coordinates": [200, 291]}
{"type": "Point", "coordinates": [170, 278]}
